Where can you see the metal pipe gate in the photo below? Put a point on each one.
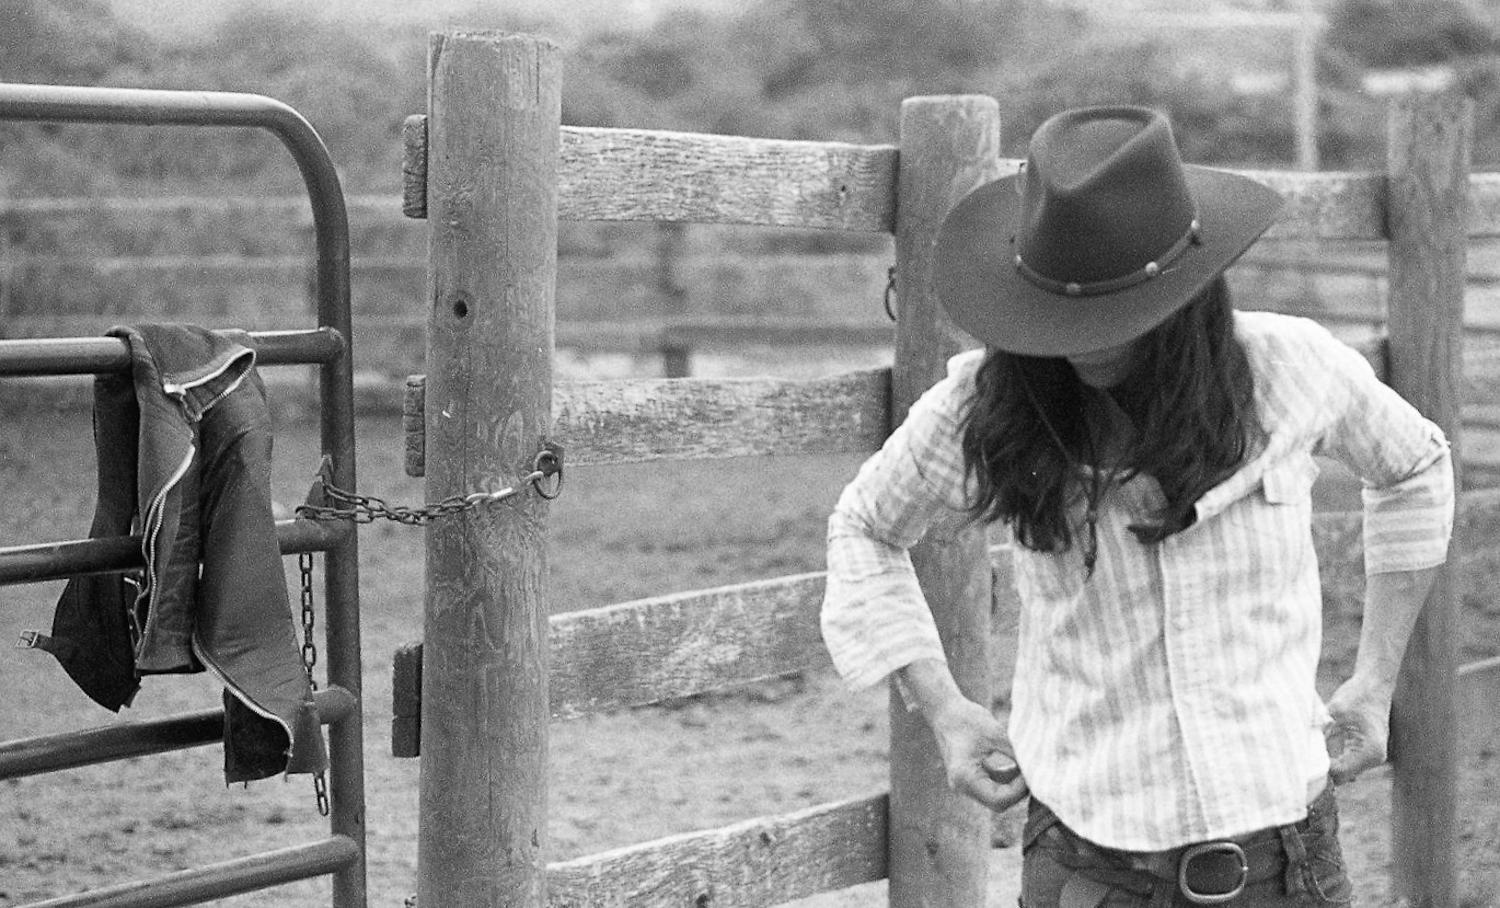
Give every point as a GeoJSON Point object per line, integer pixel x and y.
{"type": "Point", "coordinates": [342, 854]}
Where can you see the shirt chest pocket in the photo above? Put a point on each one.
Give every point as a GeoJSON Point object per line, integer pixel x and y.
{"type": "Point", "coordinates": [1290, 482]}
{"type": "Point", "coordinates": [1276, 522]}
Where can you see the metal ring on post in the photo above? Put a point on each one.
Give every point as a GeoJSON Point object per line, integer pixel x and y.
{"type": "Point", "coordinates": [548, 462]}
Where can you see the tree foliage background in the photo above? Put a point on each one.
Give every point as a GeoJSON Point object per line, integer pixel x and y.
{"type": "Point", "coordinates": [818, 69]}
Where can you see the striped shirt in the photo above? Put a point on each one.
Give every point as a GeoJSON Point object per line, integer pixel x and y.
{"type": "Point", "coordinates": [1170, 697]}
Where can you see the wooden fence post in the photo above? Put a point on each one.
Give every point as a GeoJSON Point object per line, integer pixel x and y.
{"type": "Point", "coordinates": [939, 840]}
{"type": "Point", "coordinates": [1428, 168]}
{"type": "Point", "coordinates": [494, 128]}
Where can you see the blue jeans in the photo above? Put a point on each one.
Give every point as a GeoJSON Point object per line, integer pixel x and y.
{"type": "Point", "coordinates": [1300, 864]}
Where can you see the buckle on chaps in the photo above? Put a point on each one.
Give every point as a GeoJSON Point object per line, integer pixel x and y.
{"type": "Point", "coordinates": [1222, 849]}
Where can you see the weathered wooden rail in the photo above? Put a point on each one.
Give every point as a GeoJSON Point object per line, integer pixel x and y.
{"type": "Point", "coordinates": [491, 169]}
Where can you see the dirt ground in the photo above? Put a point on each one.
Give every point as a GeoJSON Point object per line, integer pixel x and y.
{"type": "Point", "coordinates": [617, 779]}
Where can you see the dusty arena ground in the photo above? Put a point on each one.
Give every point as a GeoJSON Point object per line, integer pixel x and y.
{"type": "Point", "coordinates": [617, 779]}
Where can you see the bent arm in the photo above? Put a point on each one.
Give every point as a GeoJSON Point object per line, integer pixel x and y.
{"type": "Point", "coordinates": [976, 751]}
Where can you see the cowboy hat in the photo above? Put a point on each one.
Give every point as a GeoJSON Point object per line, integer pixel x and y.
{"type": "Point", "coordinates": [1101, 236]}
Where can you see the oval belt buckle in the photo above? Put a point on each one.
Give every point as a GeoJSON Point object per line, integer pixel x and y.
{"type": "Point", "coordinates": [1212, 898]}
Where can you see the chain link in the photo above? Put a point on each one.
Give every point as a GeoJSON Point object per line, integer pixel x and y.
{"type": "Point", "coordinates": [310, 659]}
{"type": "Point", "coordinates": [347, 505]}
{"type": "Point", "coordinates": [370, 508]}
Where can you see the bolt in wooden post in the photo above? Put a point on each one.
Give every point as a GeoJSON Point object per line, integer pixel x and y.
{"type": "Point", "coordinates": [1428, 169]}
{"type": "Point", "coordinates": [493, 138]}
{"type": "Point", "coordinates": [939, 840]}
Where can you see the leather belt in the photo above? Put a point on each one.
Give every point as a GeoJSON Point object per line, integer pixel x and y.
{"type": "Point", "coordinates": [1205, 873]}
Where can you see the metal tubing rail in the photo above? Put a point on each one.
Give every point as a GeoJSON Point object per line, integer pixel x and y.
{"type": "Point", "coordinates": [343, 855]}
{"type": "Point", "coordinates": [60, 560]}
{"type": "Point", "coordinates": [272, 868]}
{"type": "Point", "coordinates": [96, 355]}
{"type": "Point", "coordinates": [70, 750]}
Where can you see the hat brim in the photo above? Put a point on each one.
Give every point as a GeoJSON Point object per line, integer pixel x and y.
{"type": "Point", "coordinates": [984, 293]}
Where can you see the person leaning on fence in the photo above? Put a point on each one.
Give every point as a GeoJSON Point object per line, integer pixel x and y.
{"type": "Point", "coordinates": [1151, 452]}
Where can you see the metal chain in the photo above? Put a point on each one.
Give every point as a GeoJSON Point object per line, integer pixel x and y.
{"type": "Point", "coordinates": [369, 508]}
{"type": "Point", "coordinates": [310, 659]}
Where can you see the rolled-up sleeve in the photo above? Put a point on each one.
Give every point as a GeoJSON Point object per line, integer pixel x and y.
{"type": "Point", "coordinates": [1408, 524]}
{"type": "Point", "coordinates": [874, 617]}
{"type": "Point", "coordinates": [1403, 460]}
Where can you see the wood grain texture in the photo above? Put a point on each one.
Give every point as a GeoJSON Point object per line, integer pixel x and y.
{"type": "Point", "coordinates": [406, 701]}
{"type": "Point", "coordinates": [414, 167]}
{"type": "Point", "coordinates": [600, 422]}
{"type": "Point", "coordinates": [651, 175]}
{"type": "Point", "coordinates": [623, 421]}
{"type": "Point", "coordinates": [939, 840]}
{"type": "Point", "coordinates": [675, 646]}
{"type": "Point", "coordinates": [1428, 165]}
{"type": "Point", "coordinates": [649, 650]}
{"type": "Point", "coordinates": [764, 861]}
{"type": "Point", "coordinates": [655, 175]}
{"type": "Point", "coordinates": [643, 175]}
{"type": "Point", "coordinates": [1327, 205]}
{"type": "Point", "coordinates": [413, 425]}
{"type": "Point", "coordinates": [492, 203]}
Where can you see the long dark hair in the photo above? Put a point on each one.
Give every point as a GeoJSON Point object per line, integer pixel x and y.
{"type": "Point", "coordinates": [1188, 392]}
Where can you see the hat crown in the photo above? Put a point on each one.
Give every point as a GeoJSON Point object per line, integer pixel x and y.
{"type": "Point", "coordinates": [1103, 194]}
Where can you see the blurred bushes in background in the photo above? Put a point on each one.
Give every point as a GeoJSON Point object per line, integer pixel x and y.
{"type": "Point", "coordinates": [816, 69]}
{"type": "Point", "coordinates": [801, 69]}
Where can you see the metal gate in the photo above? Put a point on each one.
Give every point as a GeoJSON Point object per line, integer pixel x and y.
{"type": "Point", "coordinates": [342, 854]}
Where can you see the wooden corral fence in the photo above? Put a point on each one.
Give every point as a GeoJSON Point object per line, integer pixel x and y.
{"type": "Point", "coordinates": [492, 171]}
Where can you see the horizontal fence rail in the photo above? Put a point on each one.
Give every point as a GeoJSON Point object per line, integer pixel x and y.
{"type": "Point", "coordinates": [71, 750]}
{"type": "Point", "coordinates": [602, 422]}
{"type": "Point", "coordinates": [93, 355]}
{"type": "Point", "coordinates": [1325, 204]}
{"type": "Point", "coordinates": [236, 877]}
{"type": "Point", "coordinates": [631, 420]}
{"type": "Point", "coordinates": [45, 561]}
{"type": "Point", "coordinates": [662, 648]}
{"type": "Point", "coordinates": [650, 175]}
{"type": "Point", "coordinates": [650, 650]}
{"type": "Point", "coordinates": [765, 861]}
{"type": "Point", "coordinates": [654, 175]}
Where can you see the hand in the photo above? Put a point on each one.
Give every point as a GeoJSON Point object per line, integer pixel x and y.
{"type": "Point", "coordinates": [1361, 728]}
{"type": "Point", "coordinates": [977, 755]}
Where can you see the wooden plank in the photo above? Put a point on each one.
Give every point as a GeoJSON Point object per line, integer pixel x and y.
{"type": "Point", "coordinates": [675, 646]}
{"type": "Point", "coordinates": [646, 175]}
{"type": "Point", "coordinates": [492, 197]}
{"type": "Point", "coordinates": [414, 167]}
{"type": "Point", "coordinates": [600, 422]}
{"type": "Point", "coordinates": [626, 421]}
{"type": "Point", "coordinates": [939, 839]}
{"type": "Point", "coordinates": [655, 175]}
{"type": "Point", "coordinates": [1327, 205]}
{"type": "Point", "coordinates": [649, 650]}
{"type": "Point", "coordinates": [1428, 162]}
{"type": "Point", "coordinates": [764, 861]}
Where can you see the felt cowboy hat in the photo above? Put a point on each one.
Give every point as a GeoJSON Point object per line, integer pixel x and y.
{"type": "Point", "coordinates": [1101, 236]}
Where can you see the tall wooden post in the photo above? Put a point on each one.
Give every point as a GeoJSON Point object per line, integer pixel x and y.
{"type": "Point", "coordinates": [1428, 169]}
{"type": "Point", "coordinates": [939, 840]}
{"type": "Point", "coordinates": [494, 117]}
